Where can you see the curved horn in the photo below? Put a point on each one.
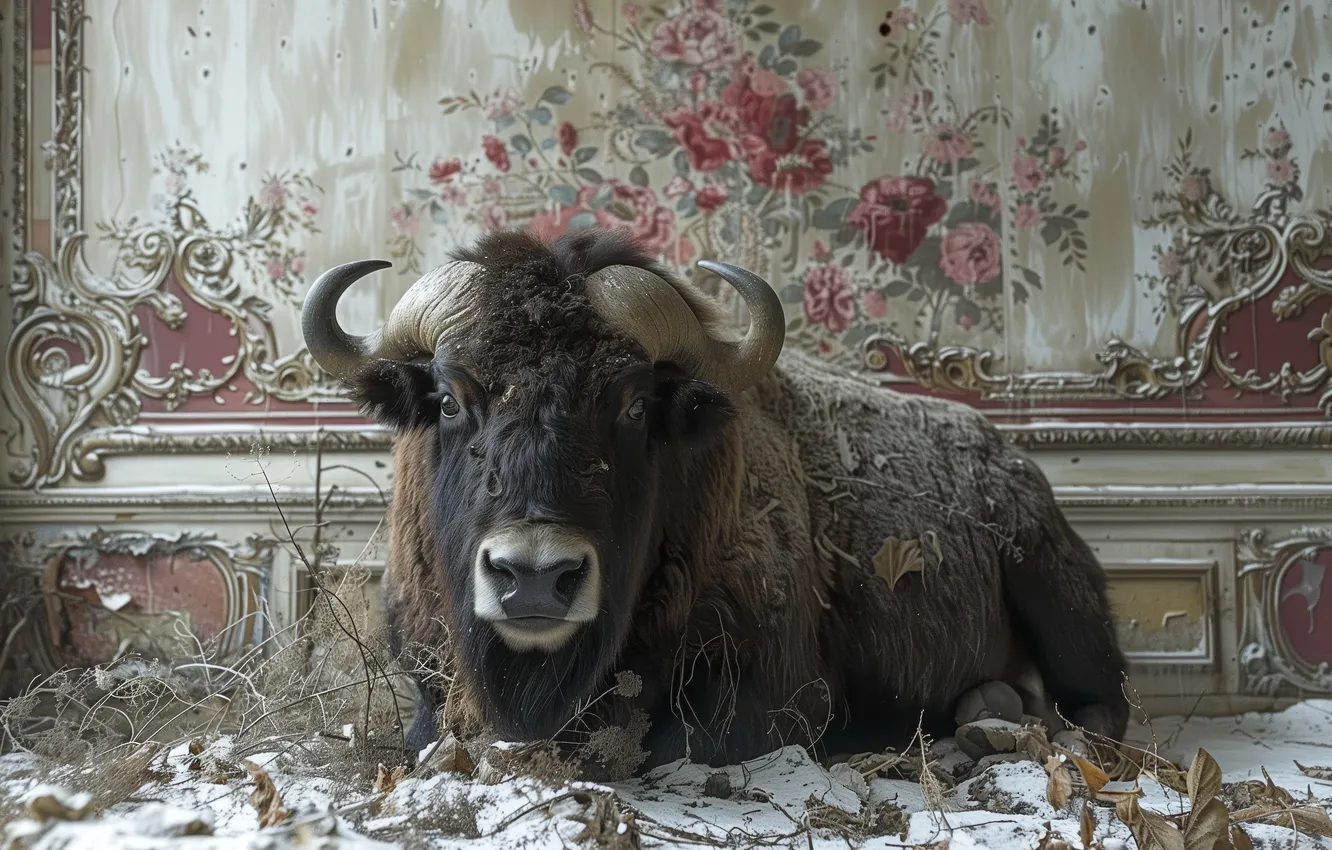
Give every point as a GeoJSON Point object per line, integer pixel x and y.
{"type": "Point", "coordinates": [433, 307]}
{"type": "Point", "coordinates": [652, 311]}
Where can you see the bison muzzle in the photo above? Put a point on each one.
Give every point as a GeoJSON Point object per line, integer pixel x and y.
{"type": "Point", "coordinates": [594, 474]}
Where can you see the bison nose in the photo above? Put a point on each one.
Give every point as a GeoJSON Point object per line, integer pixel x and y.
{"type": "Point", "coordinates": [537, 590]}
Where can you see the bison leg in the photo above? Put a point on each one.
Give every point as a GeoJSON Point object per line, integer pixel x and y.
{"type": "Point", "coordinates": [1056, 593]}
{"type": "Point", "coordinates": [422, 733]}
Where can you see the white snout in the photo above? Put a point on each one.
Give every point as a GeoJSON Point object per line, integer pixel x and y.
{"type": "Point", "coordinates": [537, 545]}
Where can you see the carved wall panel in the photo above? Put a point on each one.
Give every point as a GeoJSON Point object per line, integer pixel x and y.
{"type": "Point", "coordinates": [1166, 610]}
{"type": "Point", "coordinates": [1286, 643]}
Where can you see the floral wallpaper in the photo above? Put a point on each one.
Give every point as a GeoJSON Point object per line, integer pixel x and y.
{"type": "Point", "coordinates": [1034, 189]}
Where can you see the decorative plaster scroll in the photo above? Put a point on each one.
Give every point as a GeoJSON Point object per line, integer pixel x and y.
{"type": "Point", "coordinates": [1274, 576]}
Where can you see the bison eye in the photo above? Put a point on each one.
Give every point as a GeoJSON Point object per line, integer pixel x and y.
{"type": "Point", "coordinates": [448, 407]}
{"type": "Point", "coordinates": [637, 409]}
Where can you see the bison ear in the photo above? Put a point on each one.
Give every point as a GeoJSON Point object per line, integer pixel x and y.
{"type": "Point", "coordinates": [396, 395]}
{"type": "Point", "coordinates": [696, 411]}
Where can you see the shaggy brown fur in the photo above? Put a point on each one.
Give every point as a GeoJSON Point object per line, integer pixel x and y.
{"type": "Point", "coordinates": [740, 536]}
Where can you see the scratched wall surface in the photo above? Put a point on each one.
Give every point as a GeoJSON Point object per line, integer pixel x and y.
{"type": "Point", "coordinates": [1043, 182]}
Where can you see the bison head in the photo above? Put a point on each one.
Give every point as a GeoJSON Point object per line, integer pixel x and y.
{"type": "Point", "coordinates": [562, 391]}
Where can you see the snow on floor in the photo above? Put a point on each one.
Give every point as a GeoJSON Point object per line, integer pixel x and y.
{"type": "Point", "coordinates": [772, 801]}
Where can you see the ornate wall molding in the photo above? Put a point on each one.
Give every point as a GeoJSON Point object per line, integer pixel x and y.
{"type": "Point", "coordinates": [1260, 248]}
{"type": "Point", "coordinates": [1268, 660]}
{"type": "Point", "coordinates": [74, 582]}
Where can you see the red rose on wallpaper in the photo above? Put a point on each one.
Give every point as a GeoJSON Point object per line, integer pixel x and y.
{"type": "Point", "coordinates": [696, 131]}
{"type": "Point", "coordinates": [444, 169]}
{"type": "Point", "coordinates": [970, 254]}
{"type": "Point", "coordinates": [776, 119]}
{"type": "Point", "coordinates": [495, 152]}
{"type": "Point", "coordinates": [701, 38]}
{"type": "Point", "coordinates": [796, 172]}
{"type": "Point", "coordinates": [828, 297]}
{"type": "Point", "coordinates": [568, 137]}
{"type": "Point", "coordinates": [710, 198]}
{"type": "Point", "coordinates": [895, 213]}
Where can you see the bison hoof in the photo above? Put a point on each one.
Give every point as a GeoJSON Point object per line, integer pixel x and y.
{"type": "Point", "coordinates": [987, 737]}
{"type": "Point", "coordinates": [992, 700]}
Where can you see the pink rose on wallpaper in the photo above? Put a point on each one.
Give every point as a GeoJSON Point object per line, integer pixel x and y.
{"type": "Point", "coordinates": [496, 152]}
{"type": "Point", "coordinates": [966, 321]}
{"type": "Point", "coordinates": [297, 265]}
{"type": "Point", "coordinates": [501, 102]}
{"type": "Point", "coordinates": [276, 269]}
{"type": "Point", "coordinates": [698, 82]}
{"type": "Point", "coordinates": [767, 83]}
{"type": "Point", "coordinates": [903, 17]}
{"type": "Point", "coordinates": [819, 88]}
{"type": "Point", "coordinates": [652, 224]}
{"type": "Point", "coordinates": [698, 131]}
{"type": "Point", "coordinates": [273, 195]}
{"type": "Point", "coordinates": [1193, 187]}
{"type": "Point", "coordinates": [492, 185]}
{"type": "Point", "coordinates": [310, 208]}
{"type": "Point", "coordinates": [631, 12]}
{"type": "Point", "coordinates": [796, 172]}
{"type": "Point", "coordinates": [1027, 173]}
{"type": "Point", "coordinates": [404, 220]}
{"type": "Point", "coordinates": [567, 136]}
{"type": "Point", "coordinates": [1277, 141]}
{"type": "Point", "coordinates": [1055, 157]}
{"type": "Point", "coordinates": [946, 144]}
{"type": "Point", "coordinates": [895, 213]}
{"type": "Point", "coordinates": [821, 251]}
{"type": "Point", "coordinates": [985, 195]}
{"type": "Point", "coordinates": [453, 194]}
{"type": "Point", "coordinates": [876, 304]}
{"type": "Point", "coordinates": [1027, 216]}
{"type": "Point", "coordinates": [1080, 146]}
{"type": "Point", "coordinates": [714, 6]}
{"type": "Point", "coordinates": [906, 105]}
{"type": "Point", "coordinates": [494, 217]}
{"type": "Point", "coordinates": [679, 185]}
{"type": "Point", "coordinates": [970, 254]}
{"type": "Point", "coordinates": [1280, 171]}
{"type": "Point", "coordinates": [699, 38]}
{"type": "Point", "coordinates": [969, 12]}
{"type": "Point", "coordinates": [710, 198]}
{"type": "Point", "coordinates": [583, 16]}
{"type": "Point", "coordinates": [1168, 264]}
{"type": "Point", "coordinates": [828, 297]}
{"type": "Point", "coordinates": [442, 170]}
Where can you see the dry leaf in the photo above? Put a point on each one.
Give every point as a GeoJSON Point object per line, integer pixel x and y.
{"type": "Point", "coordinates": [1209, 827]}
{"type": "Point", "coordinates": [196, 749]}
{"type": "Point", "coordinates": [1087, 825]}
{"type": "Point", "coordinates": [1150, 830]}
{"type": "Point", "coordinates": [1091, 774]}
{"type": "Point", "coordinates": [896, 558]}
{"type": "Point", "coordinates": [59, 804]}
{"type": "Point", "coordinates": [265, 798]}
{"type": "Point", "coordinates": [1312, 819]}
{"type": "Point", "coordinates": [1204, 783]}
{"type": "Point", "coordinates": [386, 780]}
{"type": "Point", "coordinates": [1032, 743]}
{"type": "Point", "coordinates": [1059, 787]}
{"type": "Point", "coordinates": [1315, 772]}
{"type": "Point", "coordinates": [451, 757]}
{"type": "Point", "coordinates": [1239, 839]}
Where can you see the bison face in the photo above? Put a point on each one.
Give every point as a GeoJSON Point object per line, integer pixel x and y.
{"type": "Point", "coordinates": [565, 388]}
{"type": "Point", "coordinates": [547, 487]}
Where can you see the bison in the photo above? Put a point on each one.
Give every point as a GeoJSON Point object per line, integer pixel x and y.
{"type": "Point", "coordinates": [595, 474]}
